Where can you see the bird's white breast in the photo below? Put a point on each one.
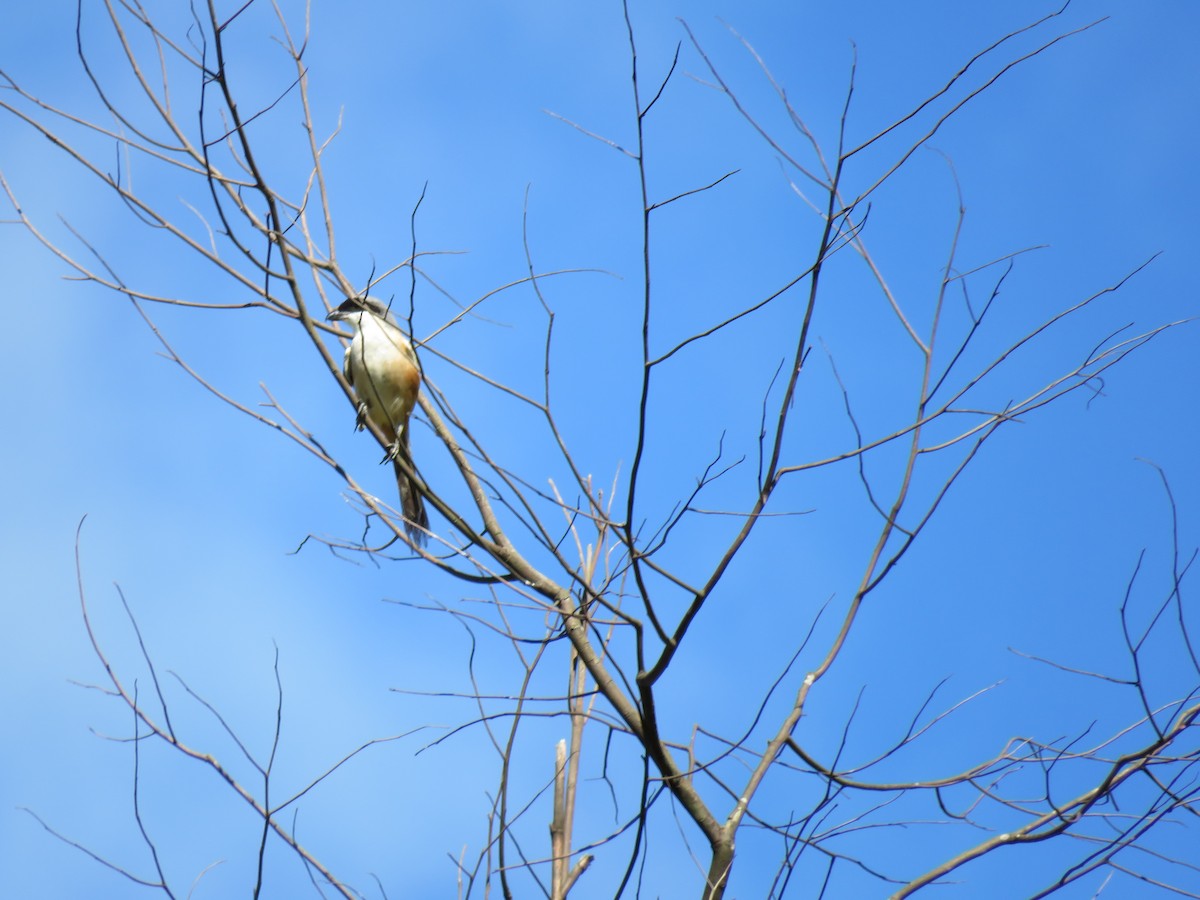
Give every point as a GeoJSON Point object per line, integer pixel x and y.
{"type": "Point", "coordinates": [381, 368]}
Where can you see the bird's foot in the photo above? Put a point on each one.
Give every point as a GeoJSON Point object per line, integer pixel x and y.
{"type": "Point", "coordinates": [393, 451]}
{"type": "Point", "coordinates": [360, 421]}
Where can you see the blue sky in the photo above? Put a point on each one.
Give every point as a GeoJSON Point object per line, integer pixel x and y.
{"type": "Point", "coordinates": [195, 510]}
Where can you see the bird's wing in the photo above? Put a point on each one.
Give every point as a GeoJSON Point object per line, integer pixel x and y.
{"type": "Point", "coordinates": [347, 369]}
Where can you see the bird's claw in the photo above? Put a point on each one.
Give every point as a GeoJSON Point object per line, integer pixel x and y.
{"type": "Point", "coordinates": [360, 421]}
{"type": "Point", "coordinates": [393, 451]}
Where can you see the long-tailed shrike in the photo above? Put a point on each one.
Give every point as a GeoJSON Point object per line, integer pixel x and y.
{"type": "Point", "coordinates": [382, 368]}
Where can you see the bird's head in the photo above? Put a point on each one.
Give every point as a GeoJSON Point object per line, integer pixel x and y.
{"type": "Point", "coordinates": [351, 310]}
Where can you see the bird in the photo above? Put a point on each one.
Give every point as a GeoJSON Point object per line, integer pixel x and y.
{"type": "Point", "coordinates": [381, 366]}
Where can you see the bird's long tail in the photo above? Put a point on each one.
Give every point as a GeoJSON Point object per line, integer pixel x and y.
{"type": "Point", "coordinates": [412, 504]}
